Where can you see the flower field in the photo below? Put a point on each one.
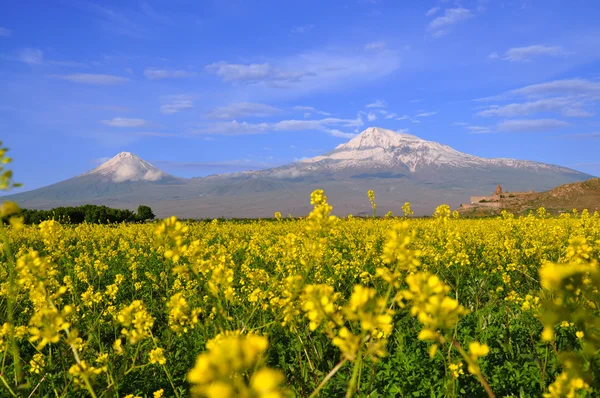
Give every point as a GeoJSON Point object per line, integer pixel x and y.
{"type": "Point", "coordinates": [319, 306]}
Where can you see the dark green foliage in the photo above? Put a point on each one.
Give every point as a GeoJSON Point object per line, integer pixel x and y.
{"type": "Point", "coordinates": [144, 213]}
{"type": "Point", "coordinates": [92, 214]}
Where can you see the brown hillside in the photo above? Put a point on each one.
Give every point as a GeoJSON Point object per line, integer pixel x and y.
{"type": "Point", "coordinates": [564, 198]}
{"type": "Point", "coordinates": [577, 195]}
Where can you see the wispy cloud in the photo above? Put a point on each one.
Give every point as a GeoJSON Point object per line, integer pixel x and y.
{"type": "Point", "coordinates": [242, 109]}
{"type": "Point", "coordinates": [371, 117]}
{"type": "Point", "coordinates": [137, 23]}
{"type": "Point", "coordinates": [479, 129]}
{"type": "Point", "coordinates": [5, 32]}
{"type": "Point", "coordinates": [525, 54]}
{"type": "Point", "coordinates": [432, 11]}
{"type": "Point", "coordinates": [415, 101]}
{"type": "Point", "coordinates": [566, 106]}
{"type": "Point", "coordinates": [253, 73]}
{"type": "Point", "coordinates": [375, 46]}
{"type": "Point", "coordinates": [93, 78]}
{"type": "Point", "coordinates": [531, 125]}
{"type": "Point", "coordinates": [474, 129]}
{"type": "Point", "coordinates": [175, 103]}
{"type": "Point", "coordinates": [302, 29]}
{"type": "Point", "coordinates": [582, 136]}
{"type": "Point", "coordinates": [233, 128]}
{"type": "Point", "coordinates": [309, 71]}
{"type": "Point", "coordinates": [377, 104]}
{"type": "Point", "coordinates": [560, 87]}
{"type": "Point", "coordinates": [444, 24]}
{"type": "Point", "coordinates": [403, 117]}
{"type": "Point", "coordinates": [124, 122]}
{"type": "Point", "coordinates": [330, 126]}
{"type": "Point", "coordinates": [31, 56]}
{"type": "Point", "coordinates": [426, 114]}
{"type": "Point", "coordinates": [309, 110]}
{"type": "Point", "coordinates": [156, 74]}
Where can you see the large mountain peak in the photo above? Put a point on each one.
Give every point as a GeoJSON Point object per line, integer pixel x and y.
{"type": "Point", "coordinates": [376, 137]}
{"type": "Point", "coordinates": [126, 166]}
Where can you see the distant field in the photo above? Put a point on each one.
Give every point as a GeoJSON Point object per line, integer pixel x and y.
{"type": "Point", "coordinates": [324, 306]}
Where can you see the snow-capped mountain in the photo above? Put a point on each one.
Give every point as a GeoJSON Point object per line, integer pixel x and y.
{"type": "Point", "coordinates": [127, 167]}
{"type": "Point", "coordinates": [398, 167]}
{"type": "Point", "coordinates": [376, 148]}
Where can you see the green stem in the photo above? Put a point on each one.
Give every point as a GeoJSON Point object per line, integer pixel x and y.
{"type": "Point", "coordinates": [10, 305]}
{"type": "Point", "coordinates": [7, 386]}
{"type": "Point", "coordinates": [327, 378]}
{"type": "Point", "coordinates": [474, 366]}
{"type": "Point", "coordinates": [353, 380]}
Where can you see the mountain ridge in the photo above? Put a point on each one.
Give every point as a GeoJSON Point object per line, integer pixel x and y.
{"type": "Point", "coordinates": [399, 167]}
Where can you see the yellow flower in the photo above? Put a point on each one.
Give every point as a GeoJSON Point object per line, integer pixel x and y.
{"type": "Point", "coordinates": [37, 363]}
{"type": "Point", "coordinates": [157, 356]}
{"type": "Point", "coordinates": [477, 350]}
{"type": "Point", "coordinates": [159, 393]}
{"type": "Point", "coordinates": [456, 369]}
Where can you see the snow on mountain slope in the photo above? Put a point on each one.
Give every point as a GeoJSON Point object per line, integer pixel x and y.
{"type": "Point", "coordinates": [376, 148]}
{"type": "Point", "coordinates": [127, 167]}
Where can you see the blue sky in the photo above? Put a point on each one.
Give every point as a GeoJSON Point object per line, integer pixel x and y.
{"type": "Point", "coordinates": [202, 87]}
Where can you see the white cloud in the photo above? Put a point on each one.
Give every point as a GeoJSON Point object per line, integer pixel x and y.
{"type": "Point", "coordinates": [460, 124]}
{"type": "Point", "coordinates": [371, 117]}
{"type": "Point", "coordinates": [452, 16]}
{"type": "Point", "coordinates": [156, 74]}
{"type": "Point", "coordinates": [402, 131]}
{"type": "Point", "coordinates": [531, 125]}
{"type": "Point", "coordinates": [426, 114]}
{"type": "Point", "coordinates": [93, 78]}
{"type": "Point", "coordinates": [392, 116]}
{"type": "Point", "coordinates": [479, 129]}
{"type": "Point", "coordinates": [302, 29]}
{"type": "Point", "coordinates": [310, 109]}
{"type": "Point", "coordinates": [375, 46]}
{"type": "Point", "coordinates": [581, 87]}
{"type": "Point", "coordinates": [253, 73]}
{"type": "Point", "coordinates": [175, 103]}
{"type": "Point", "coordinates": [31, 56]}
{"type": "Point", "coordinates": [432, 11]}
{"type": "Point", "coordinates": [403, 117]}
{"type": "Point", "coordinates": [524, 54]}
{"type": "Point", "coordinates": [234, 128]}
{"type": "Point", "coordinates": [242, 109]}
{"type": "Point", "coordinates": [415, 121]}
{"type": "Point", "coordinates": [566, 106]}
{"type": "Point", "coordinates": [331, 126]}
{"type": "Point", "coordinates": [340, 134]}
{"type": "Point", "coordinates": [415, 101]}
{"type": "Point", "coordinates": [493, 55]}
{"type": "Point", "coordinates": [308, 72]}
{"type": "Point", "coordinates": [134, 172]}
{"type": "Point", "coordinates": [124, 122]}
{"type": "Point", "coordinates": [377, 104]}
{"type": "Point", "coordinates": [4, 32]}
{"type": "Point", "coordinates": [595, 135]}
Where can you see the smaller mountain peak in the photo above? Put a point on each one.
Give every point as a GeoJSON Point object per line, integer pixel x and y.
{"type": "Point", "coordinates": [126, 166]}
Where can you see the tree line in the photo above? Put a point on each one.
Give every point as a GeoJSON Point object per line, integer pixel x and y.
{"type": "Point", "coordinates": [92, 214]}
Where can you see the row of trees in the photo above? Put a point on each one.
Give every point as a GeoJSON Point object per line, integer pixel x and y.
{"type": "Point", "coordinates": [88, 213]}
